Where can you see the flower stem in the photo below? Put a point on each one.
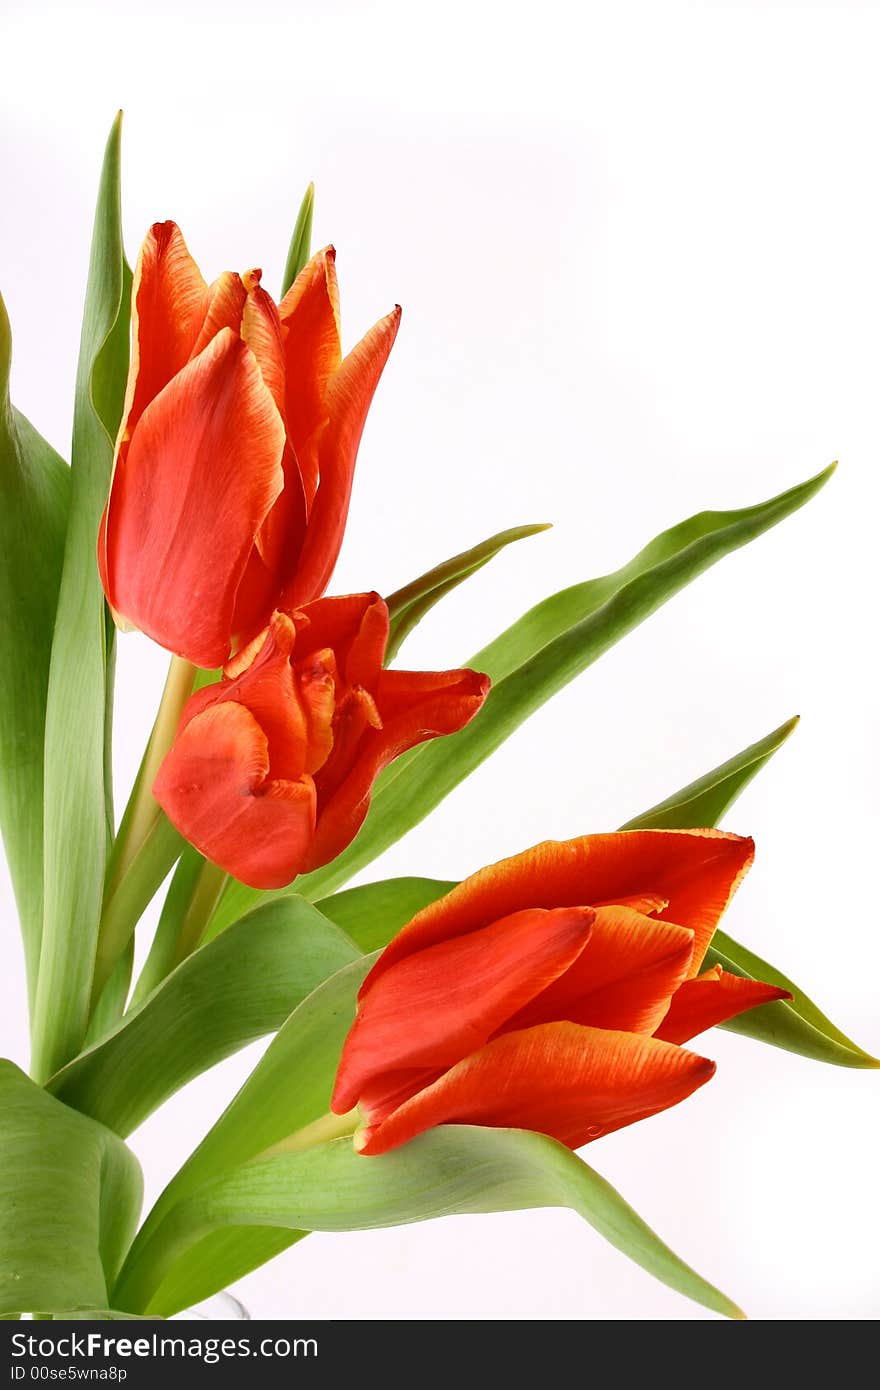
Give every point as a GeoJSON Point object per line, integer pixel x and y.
{"type": "Point", "coordinates": [320, 1131]}
{"type": "Point", "coordinates": [143, 810]}
{"type": "Point", "coordinates": [146, 845]}
{"type": "Point", "coordinates": [206, 894]}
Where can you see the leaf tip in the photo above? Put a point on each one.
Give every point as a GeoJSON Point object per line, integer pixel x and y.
{"type": "Point", "coordinates": [5, 348]}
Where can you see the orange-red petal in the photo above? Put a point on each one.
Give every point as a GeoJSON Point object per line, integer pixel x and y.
{"type": "Point", "coordinates": [212, 786]}
{"type": "Point", "coordinates": [169, 300]}
{"type": "Point", "coordinates": [624, 978]}
{"type": "Point", "coordinates": [435, 1008]}
{"type": "Point", "coordinates": [199, 476]}
{"type": "Point", "coordinates": [349, 393]}
{"type": "Point", "coordinates": [413, 706]}
{"type": "Point", "coordinates": [225, 302]}
{"type": "Point", "coordinates": [713, 998]}
{"type": "Point", "coordinates": [562, 1079]}
{"type": "Point", "coordinates": [309, 316]}
{"type": "Point", "coordinates": [695, 871]}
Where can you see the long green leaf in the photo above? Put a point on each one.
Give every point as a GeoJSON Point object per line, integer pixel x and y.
{"type": "Point", "coordinates": [76, 792]}
{"type": "Point", "coordinates": [70, 1195]}
{"type": "Point", "coordinates": [289, 1088]}
{"type": "Point", "coordinates": [301, 241]}
{"type": "Point", "coordinates": [409, 605]}
{"type": "Point", "coordinates": [239, 988]}
{"type": "Point", "coordinates": [36, 489]}
{"type": "Point", "coordinates": [453, 1169]}
{"type": "Point", "coordinates": [796, 1025]}
{"type": "Point", "coordinates": [374, 913]}
{"type": "Point", "coordinates": [533, 660]}
{"type": "Point", "coordinates": [705, 801]}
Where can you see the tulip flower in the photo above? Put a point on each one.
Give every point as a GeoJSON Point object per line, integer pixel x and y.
{"type": "Point", "coordinates": [271, 772]}
{"type": "Point", "coordinates": [550, 992]}
{"type": "Point", "coordinates": [234, 459]}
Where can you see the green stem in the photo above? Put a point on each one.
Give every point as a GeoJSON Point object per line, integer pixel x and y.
{"type": "Point", "coordinates": [147, 844]}
{"type": "Point", "coordinates": [143, 810]}
{"type": "Point", "coordinates": [124, 907]}
{"type": "Point", "coordinates": [195, 891]}
{"type": "Point", "coordinates": [320, 1131]}
{"type": "Point", "coordinates": [206, 895]}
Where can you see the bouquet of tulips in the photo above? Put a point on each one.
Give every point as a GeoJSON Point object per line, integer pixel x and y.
{"type": "Point", "coordinates": [437, 1047]}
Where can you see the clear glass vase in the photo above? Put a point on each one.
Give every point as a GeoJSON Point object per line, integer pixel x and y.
{"type": "Point", "coordinates": [221, 1307]}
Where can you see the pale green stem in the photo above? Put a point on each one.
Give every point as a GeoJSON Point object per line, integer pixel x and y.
{"type": "Point", "coordinates": [206, 894]}
{"type": "Point", "coordinates": [318, 1132]}
{"type": "Point", "coordinates": [144, 835]}
{"type": "Point", "coordinates": [143, 810]}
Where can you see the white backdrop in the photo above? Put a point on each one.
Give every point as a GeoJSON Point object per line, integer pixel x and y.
{"type": "Point", "coordinates": [637, 252]}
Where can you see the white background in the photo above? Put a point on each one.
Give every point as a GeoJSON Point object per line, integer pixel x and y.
{"type": "Point", "coordinates": [637, 252]}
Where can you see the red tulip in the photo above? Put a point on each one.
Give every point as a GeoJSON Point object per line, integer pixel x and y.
{"type": "Point", "coordinates": [271, 771]}
{"type": "Point", "coordinates": [235, 456]}
{"type": "Point", "coordinates": [550, 992]}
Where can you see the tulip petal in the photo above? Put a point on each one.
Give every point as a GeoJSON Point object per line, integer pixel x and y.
{"type": "Point", "coordinates": [349, 393]}
{"type": "Point", "coordinates": [413, 706]}
{"type": "Point", "coordinates": [212, 787]}
{"type": "Point", "coordinates": [226, 300]}
{"type": "Point", "coordinates": [351, 620]}
{"type": "Point", "coordinates": [435, 1008]}
{"type": "Point", "coordinates": [267, 688]}
{"type": "Point", "coordinates": [713, 998]}
{"type": "Point", "coordinates": [309, 315]}
{"type": "Point", "coordinates": [261, 330]}
{"type": "Point", "coordinates": [695, 871]}
{"type": "Point", "coordinates": [561, 1079]}
{"type": "Point", "coordinates": [169, 300]}
{"type": "Point", "coordinates": [200, 474]}
{"type": "Point", "coordinates": [624, 979]}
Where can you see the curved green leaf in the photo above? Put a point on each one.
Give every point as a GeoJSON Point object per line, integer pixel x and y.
{"type": "Point", "coordinates": [70, 1195]}
{"type": "Point", "coordinates": [35, 483]}
{"type": "Point", "coordinates": [77, 797]}
{"type": "Point", "coordinates": [797, 1025]}
{"type": "Point", "coordinates": [452, 1169]}
{"type": "Point", "coordinates": [528, 663]}
{"type": "Point", "coordinates": [214, 1262]}
{"type": "Point", "coordinates": [301, 241]}
{"type": "Point", "coordinates": [239, 988]}
{"type": "Point", "coordinates": [704, 802]}
{"type": "Point", "coordinates": [373, 914]}
{"type": "Point", "coordinates": [409, 605]}
{"type": "Point", "coordinates": [288, 1089]}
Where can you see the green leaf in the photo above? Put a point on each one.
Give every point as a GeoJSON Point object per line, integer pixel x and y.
{"type": "Point", "coordinates": [76, 791]}
{"type": "Point", "coordinates": [704, 802]}
{"type": "Point", "coordinates": [36, 488]}
{"type": "Point", "coordinates": [409, 605]}
{"type": "Point", "coordinates": [70, 1195]}
{"type": "Point", "coordinates": [216, 1261]}
{"type": "Point", "coordinates": [289, 1088]}
{"type": "Point", "coordinates": [796, 1026]}
{"type": "Point", "coordinates": [799, 1025]}
{"type": "Point", "coordinates": [452, 1169]}
{"type": "Point", "coordinates": [374, 913]}
{"type": "Point", "coordinates": [239, 988]}
{"type": "Point", "coordinates": [301, 241]}
{"type": "Point", "coordinates": [534, 659]}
